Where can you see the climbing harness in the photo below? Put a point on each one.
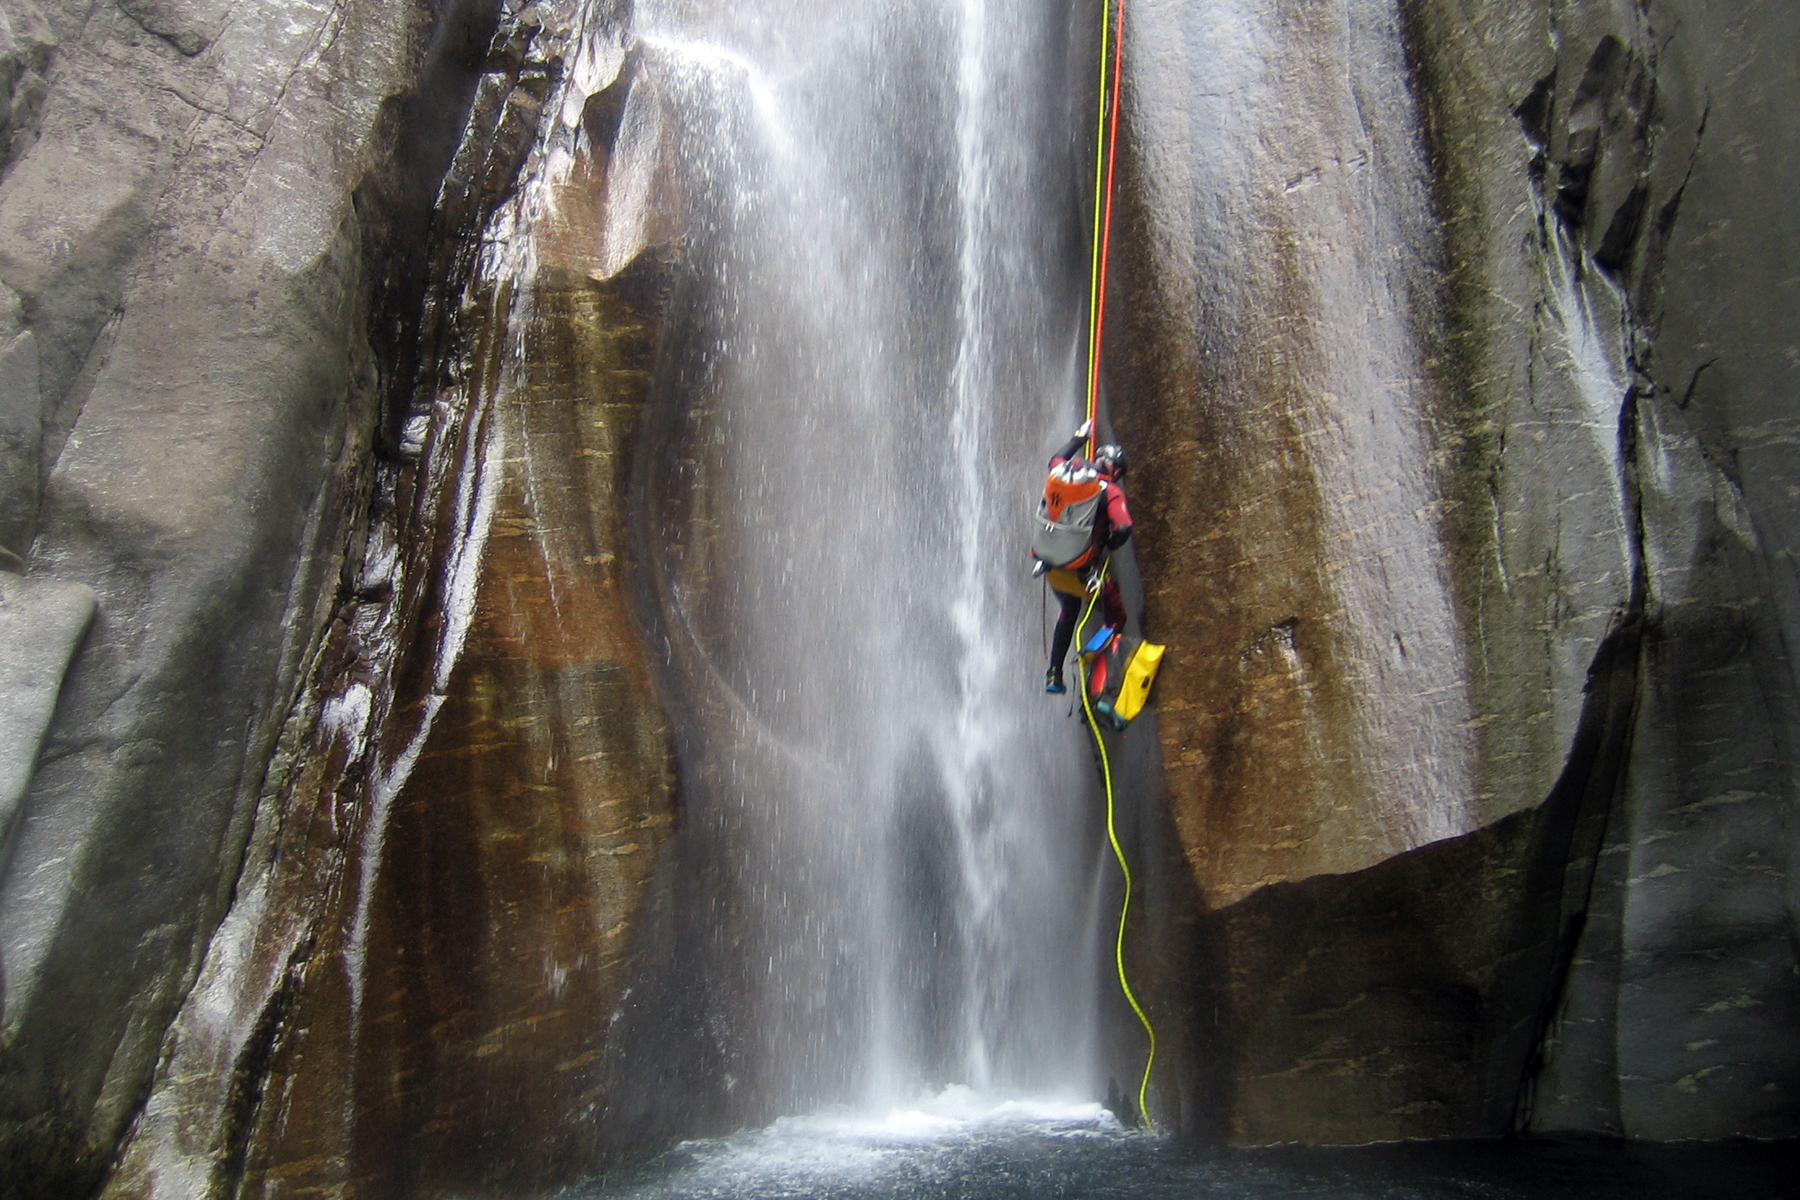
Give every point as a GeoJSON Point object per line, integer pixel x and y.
{"type": "Point", "coordinates": [1105, 158]}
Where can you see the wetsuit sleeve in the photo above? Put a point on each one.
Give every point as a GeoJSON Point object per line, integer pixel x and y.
{"type": "Point", "coordinates": [1068, 451]}
{"type": "Point", "coordinates": [1118, 517]}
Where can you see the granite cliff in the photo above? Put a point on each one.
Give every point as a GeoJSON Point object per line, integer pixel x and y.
{"type": "Point", "coordinates": [1458, 353]}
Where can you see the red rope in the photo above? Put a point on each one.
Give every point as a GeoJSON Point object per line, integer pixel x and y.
{"type": "Point", "coordinates": [1112, 150]}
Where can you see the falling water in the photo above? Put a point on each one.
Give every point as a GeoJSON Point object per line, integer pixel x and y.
{"type": "Point", "coordinates": [875, 347]}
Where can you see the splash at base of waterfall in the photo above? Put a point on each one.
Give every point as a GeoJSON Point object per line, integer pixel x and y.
{"type": "Point", "coordinates": [963, 1145]}
{"type": "Point", "coordinates": [966, 1145]}
{"type": "Point", "coordinates": [933, 1147]}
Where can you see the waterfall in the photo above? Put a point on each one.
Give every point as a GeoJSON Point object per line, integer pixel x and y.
{"type": "Point", "coordinates": [875, 349]}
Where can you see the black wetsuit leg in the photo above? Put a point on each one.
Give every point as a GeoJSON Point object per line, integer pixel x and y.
{"type": "Point", "coordinates": [1065, 629]}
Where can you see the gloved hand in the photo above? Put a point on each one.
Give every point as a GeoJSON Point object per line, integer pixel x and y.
{"type": "Point", "coordinates": [1085, 428]}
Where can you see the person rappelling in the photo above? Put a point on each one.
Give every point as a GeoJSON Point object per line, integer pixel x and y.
{"type": "Point", "coordinates": [1082, 519]}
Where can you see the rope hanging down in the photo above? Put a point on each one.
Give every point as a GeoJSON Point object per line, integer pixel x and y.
{"type": "Point", "coordinates": [1106, 145]}
{"type": "Point", "coordinates": [1112, 834]}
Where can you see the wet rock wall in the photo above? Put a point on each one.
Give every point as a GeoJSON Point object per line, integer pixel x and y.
{"type": "Point", "coordinates": [1606, 517]}
{"type": "Point", "coordinates": [250, 476]}
{"type": "Point", "coordinates": [192, 235]}
{"type": "Point", "coordinates": [411, 995]}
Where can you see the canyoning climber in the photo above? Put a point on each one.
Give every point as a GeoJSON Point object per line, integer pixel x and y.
{"type": "Point", "coordinates": [1082, 519]}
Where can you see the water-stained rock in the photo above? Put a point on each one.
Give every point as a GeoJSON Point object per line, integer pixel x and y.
{"type": "Point", "coordinates": [1591, 476]}
{"type": "Point", "coordinates": [189, 394]}
{"type": "Point", "coordinates": [1274, 290]}
{"type": "Point", "coordinates": [412, 993]}
{"type": "Point", "coordinates": [486, 924]}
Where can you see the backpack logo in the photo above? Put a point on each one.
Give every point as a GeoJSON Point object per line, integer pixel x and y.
{"type": "Point", "coordinates": [1066, 514]}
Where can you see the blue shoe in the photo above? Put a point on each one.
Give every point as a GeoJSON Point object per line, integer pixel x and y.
{"type": "Point", "coordinates": [1109, 717]}
{"type": "Point", "coordinates": [1103, 637]}
{"type": "Point", "coordinates": [1053, 682]}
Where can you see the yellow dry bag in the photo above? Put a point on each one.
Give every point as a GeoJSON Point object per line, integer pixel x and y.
{"type": "Point", "coordinates": [1139, 675]}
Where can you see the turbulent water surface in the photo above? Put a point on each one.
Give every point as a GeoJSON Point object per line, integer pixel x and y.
{"type": "Point", "coordinates": [961, 1145]}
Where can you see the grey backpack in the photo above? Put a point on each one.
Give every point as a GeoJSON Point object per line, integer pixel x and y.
{"type": "Point", "coordinates": [1066, 515]}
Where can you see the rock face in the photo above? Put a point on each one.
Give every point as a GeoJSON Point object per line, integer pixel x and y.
{"type": "Point", "coordinates": [1475, 515]}
{"type": "Point", "coordinates": [410, 994]}
{"type": "Point", "coordinates": [338, 817]}
{"type": "Point", "coordinates": [41, 624]}
{"type": "Point", "coordinates": [193, 227]}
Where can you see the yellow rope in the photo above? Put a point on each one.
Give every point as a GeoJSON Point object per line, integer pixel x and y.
{"type": "Point", "coordinates": [1093, 404]}
{"type": "Point", "coordinates": [1094, 271]}
{"type": "Point", "coordinates": [1112, 835]}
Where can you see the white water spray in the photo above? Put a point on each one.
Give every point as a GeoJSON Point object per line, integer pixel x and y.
{"type": "Point", "coordinates": [882, 323]}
